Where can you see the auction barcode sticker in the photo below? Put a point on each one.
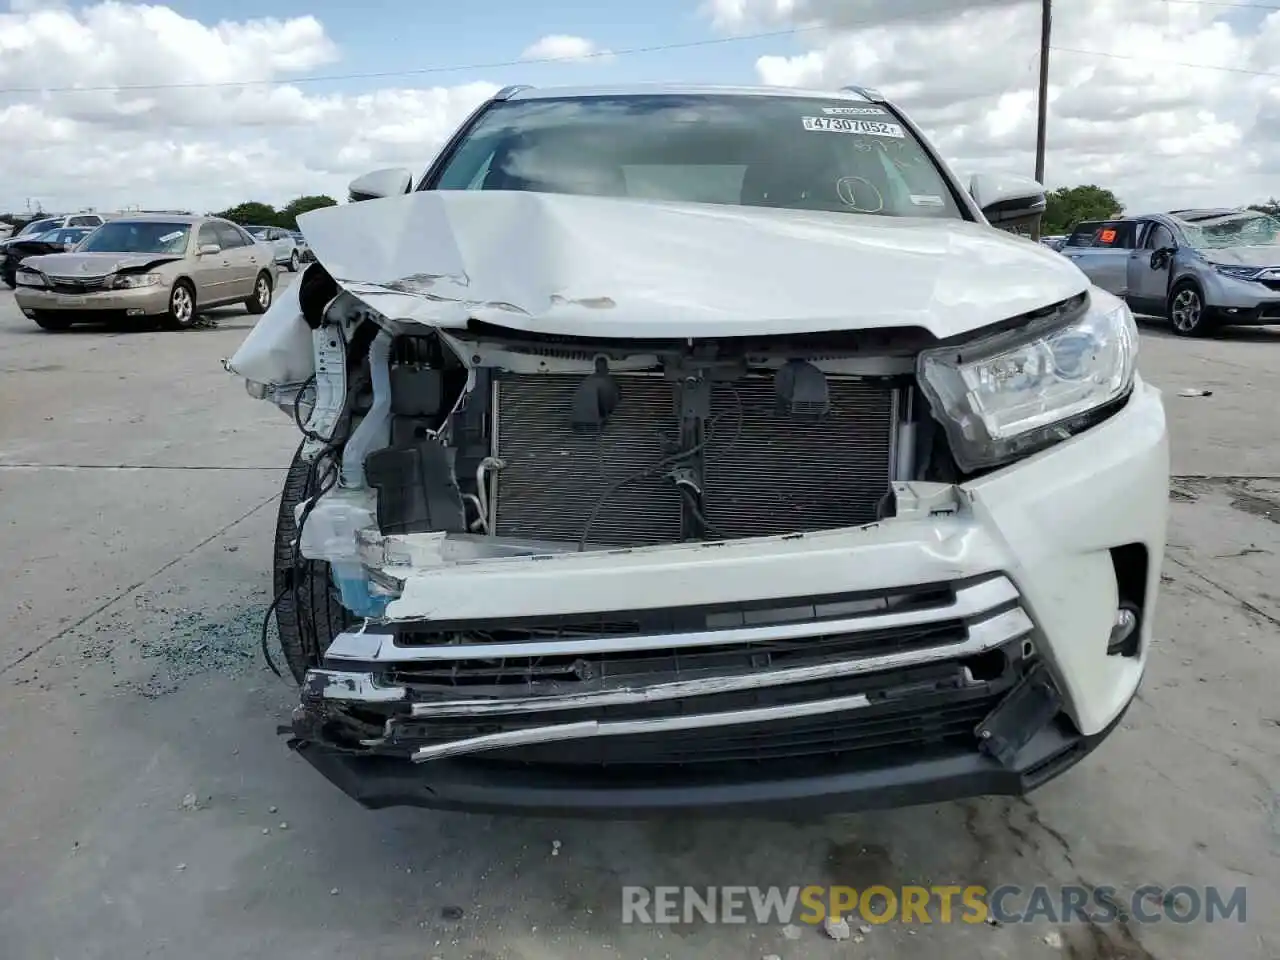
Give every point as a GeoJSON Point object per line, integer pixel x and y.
{"type": "Point", "coordinates": [874, 128]}
{"type": "Point", "coordinates": [853, 111]}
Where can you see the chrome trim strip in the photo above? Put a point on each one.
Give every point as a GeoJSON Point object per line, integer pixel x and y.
{"type": "Point", "coordinates": [983, 636]}
{"type": "Point", "coordinates": [622, 728]}
{"type": "Point", "coordinates": [346, 685]}
{"type": "Point", "coordinates": [970, 601]}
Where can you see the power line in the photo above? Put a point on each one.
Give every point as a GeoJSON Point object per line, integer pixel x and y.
{"type": "Point", "coordinates": [594, 55]}
{"type": "Point", "coordinates": [1168, 63]}
{"type": "Point", "coordinates": [423, 71]}
{"type": "Point", "coordinates": [1224, 3]}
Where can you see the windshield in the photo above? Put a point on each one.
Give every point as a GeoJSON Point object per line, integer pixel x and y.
{"type": "Point", "coordinates": [1248, 228]}
{"type": "Point", "coordinates": [138, 236]}
{"type": "Point", "coordinates": [259, 232]}
{"type": "Point", "coordinates": [796, 153]}
{"type": "Point", "coordinates": [67, 235]}
{"type": "Point", "coordinates": [36, 227]}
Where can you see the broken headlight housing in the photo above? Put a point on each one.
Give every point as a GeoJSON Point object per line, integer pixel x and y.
{"type": "Point", "coordinates": [1007, 396]}
{"type": "Point", "coordinates": [28, 278]}
{"type": "Point", "coordinates": [131, 281]}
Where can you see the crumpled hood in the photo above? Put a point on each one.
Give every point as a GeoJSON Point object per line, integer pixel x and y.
{"type": "Point", "coordinates": [93, 264]}
{"type": "Point", "coordinates": [1255, 256]}
{"type": "Point", "coordinates": [590, 266]}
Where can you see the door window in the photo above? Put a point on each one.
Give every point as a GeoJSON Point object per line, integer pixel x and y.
{"type": "Point", "coordinates": [207, 235]}
{"type": "Point", "coordinates": [1159, 237]}
{"type": "Point", "coordinates": [1116, 235]}
{"type": "Point", "coordinates": [1082, 235]}
{"type": "Point", "coordinates": [229, 236]}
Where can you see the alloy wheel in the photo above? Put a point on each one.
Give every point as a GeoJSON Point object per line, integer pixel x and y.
{"type": "Point", "coordinates": [182, 305]}
{"type": "Point", "coordinates": [1186, 310]}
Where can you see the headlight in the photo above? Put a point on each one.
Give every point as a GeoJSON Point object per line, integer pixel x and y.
{"type": "Point", "coordinates": [28, 278]}
{"type": "Point", "coordinates": [130, 280]}
{"type": "Point", "coordinates": [1237, 270]}
{"type": "Point", "coordinates": [1007, 396]}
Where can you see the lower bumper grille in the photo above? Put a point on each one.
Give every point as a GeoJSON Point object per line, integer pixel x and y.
{"type": "Point", "coordinates": [763, 472]}
{"type": "Point", "coordinates": [915, 670]}
{"type": "Point", "coordinates": [925, 722]}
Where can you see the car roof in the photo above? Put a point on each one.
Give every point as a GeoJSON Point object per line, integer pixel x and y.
{"type": "Point", "coordinates": [162, 218]}
{"type": "Point", "coordinates": [1205, 213]}
{"type": "Point", "coordinates": [856, 95]}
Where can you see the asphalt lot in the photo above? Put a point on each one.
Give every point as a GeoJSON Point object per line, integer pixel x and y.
{"type": "Point", "coordinates": [138, 490]}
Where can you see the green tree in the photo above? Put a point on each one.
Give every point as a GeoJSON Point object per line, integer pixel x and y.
{"type": "Point", "coordinates": [252, 212]}
{"type": "Point", "coordinates": [1067, 206]}
{"type": "Point", "coordinates": [1272, 206]}
{"type": "Point", "coordinates": [295, 208]}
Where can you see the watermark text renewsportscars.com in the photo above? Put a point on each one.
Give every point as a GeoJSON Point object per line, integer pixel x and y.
{"type": "Point", "coordinates": [1150, 903]}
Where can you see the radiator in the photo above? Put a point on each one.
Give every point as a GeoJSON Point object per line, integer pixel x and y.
{"type": "Point", "coordinates": [764, 471]}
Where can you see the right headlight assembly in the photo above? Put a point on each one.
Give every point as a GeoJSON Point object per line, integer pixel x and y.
{"type": "Point", "coordinates": [1009, 395]}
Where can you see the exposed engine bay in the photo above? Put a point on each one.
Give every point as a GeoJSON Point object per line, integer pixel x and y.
{"type": "Point", "coordinates": [515, 444]}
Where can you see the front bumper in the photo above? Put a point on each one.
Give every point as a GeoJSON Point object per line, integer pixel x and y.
{"type": "Point", "coordinates": [381, 782]}
{"type": "Point", "coordinates": [845, 669]}
{"type": "Point", "coordinates": [141, 301]}
{"type": "Point", "coordinates": [1243, 301]}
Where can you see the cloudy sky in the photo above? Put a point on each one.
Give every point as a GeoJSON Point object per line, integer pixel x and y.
{"type": "Point", "coordinates": [107, 104]}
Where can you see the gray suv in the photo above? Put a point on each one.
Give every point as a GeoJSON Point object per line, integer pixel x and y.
{"type": "Point", "coordinates": [1198, 268]}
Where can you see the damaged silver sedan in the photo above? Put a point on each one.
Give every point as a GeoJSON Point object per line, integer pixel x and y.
{"type": "Point", "coordinates": [700, 448]}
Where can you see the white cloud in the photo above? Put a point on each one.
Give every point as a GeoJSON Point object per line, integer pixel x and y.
{"type": "Point", "coordinates": [140, 129]}
{"type": "Point", "coordinates": [157, 117]}
{"type": "Point", "coordinates": [560, 46]}
{"type": "Point", "coordinates": [1160, 134]}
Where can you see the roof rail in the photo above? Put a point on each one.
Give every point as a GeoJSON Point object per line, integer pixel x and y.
{"type": "Point", "coordinates": [875, 96]}
{"type": "Point", "coordinates": [506, 93]}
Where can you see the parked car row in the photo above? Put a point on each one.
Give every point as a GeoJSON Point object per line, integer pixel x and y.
{"type": "Point", "coordinates": [284, 242]}
{"type": "Point", "coordinates": [1198, 268]}
{"type": "Point", "coordinates": [167, 267]}
{"type": "Point", "coordinates": [16, 249]}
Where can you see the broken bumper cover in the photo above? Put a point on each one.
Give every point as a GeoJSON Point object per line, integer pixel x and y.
{"type": "Point", "coordinates": [378, 782]}
{"type": "Point", "coordinates": [955, 650]}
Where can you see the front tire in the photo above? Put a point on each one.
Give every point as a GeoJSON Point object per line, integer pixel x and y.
{"type": "Point", "coordinates": [294, 260]}
{"type": "Point", "coordinates": [55, 322]}
{"type": "Point", "coordinates": [1187, 313]}
{"type": "Point", "coordinates": [308, 614]}
{"type": "Point", "coordinates": [182, 307]}
{"type": "Point", "coordinates": [260, 300]}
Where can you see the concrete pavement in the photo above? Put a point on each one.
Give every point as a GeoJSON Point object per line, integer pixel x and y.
{"type": "Point", "coordinates": [137, 499]}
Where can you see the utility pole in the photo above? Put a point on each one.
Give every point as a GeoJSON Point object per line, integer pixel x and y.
{"type": "Point", "coordinates": [1042, 118]}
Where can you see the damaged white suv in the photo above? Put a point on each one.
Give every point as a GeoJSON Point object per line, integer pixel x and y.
{"type": "Point", "coordinates": [707, 448]}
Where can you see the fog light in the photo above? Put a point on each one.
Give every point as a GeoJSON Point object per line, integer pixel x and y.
{"type": "Point", "coordinates": [1123, 641]}
{"type": "Point", "coordinates": [134, 312]}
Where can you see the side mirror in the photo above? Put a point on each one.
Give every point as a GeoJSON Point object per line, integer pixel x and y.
{"type": "Point", "coordinates": [1008, 200]}
{"type": "Point", "coordinates": [1161, 258]}
{"type": "Point", "coordinates": [209, 249]}
{"type": "Point", "coordinates": [390, 182]}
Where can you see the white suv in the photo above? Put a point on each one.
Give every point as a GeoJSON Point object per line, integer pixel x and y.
{"type": "Point", "coordinates": [701, 447]}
